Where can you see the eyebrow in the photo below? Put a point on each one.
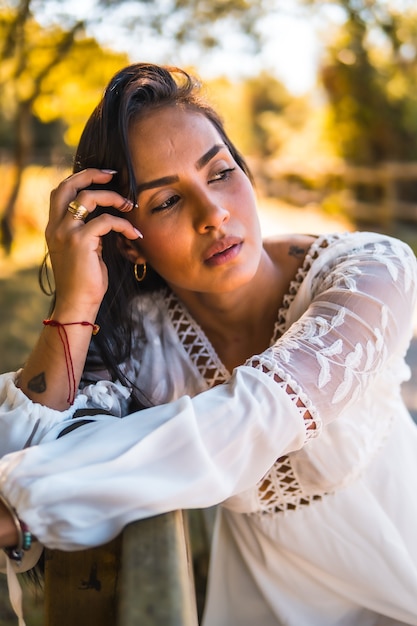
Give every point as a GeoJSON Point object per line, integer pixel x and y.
{"type": "Point", "coordinates": [158, 182]}
{"type": "Point", "coordinates": [202, 161]}
{"type": "Point", "coordinates": [168, 180]}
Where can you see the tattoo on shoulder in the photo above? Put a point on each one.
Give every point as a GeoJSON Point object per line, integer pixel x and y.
{"type": "Point", "coordinates": [296, 251]}
{"type": "Point", "coordinates": [38, 383]}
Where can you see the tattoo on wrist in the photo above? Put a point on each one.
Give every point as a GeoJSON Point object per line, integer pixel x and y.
{"type": "Point", "coordinates": [296, 251]}
{"type": "Point", "coordinates": [38, 383]}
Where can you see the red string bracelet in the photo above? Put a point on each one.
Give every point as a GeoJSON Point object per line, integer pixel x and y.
{"type": "Point", "coordinates": [67, 352]}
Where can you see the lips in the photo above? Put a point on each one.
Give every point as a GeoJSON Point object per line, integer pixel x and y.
{"type": "Point", "coordinates": [222, 250]}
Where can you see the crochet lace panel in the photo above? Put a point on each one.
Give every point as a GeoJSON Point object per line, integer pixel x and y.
{"type": "Point", "coordinates": [313, 253]}
{"type": "Point", "coordinates": [279, 490]}
{"type": "Point", "coordinates": [196, 344]}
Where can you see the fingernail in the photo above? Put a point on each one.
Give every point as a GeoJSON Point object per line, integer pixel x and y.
{"type": "Point", "coordinates": [109, 171]}
{"type": "Point", "coordinates": [139, 234]}
{"type": "Point", "coordinates": [127, 205]}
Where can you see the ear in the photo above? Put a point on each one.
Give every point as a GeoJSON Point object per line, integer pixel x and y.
{"type": "Point", "coordinates": [130, 250]}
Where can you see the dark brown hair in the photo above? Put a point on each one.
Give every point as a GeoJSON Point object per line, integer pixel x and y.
{"type": "Point", "coordinates": [131, 93]}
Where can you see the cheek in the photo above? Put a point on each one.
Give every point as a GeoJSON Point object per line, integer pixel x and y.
{"type": "Point", "coordinates": [245, 193]}
{"type": "Point", "coordinates": [162, 252]}
{"type": "Point", "coordinates": [246, 200]}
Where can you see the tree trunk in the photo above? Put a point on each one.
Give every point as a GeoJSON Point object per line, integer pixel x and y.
{"type": "Point", "coordinates": [21, 155]}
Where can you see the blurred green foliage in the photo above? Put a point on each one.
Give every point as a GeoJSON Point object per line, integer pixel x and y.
{"type": "Point", "coordinates": [53, 74]}
{"type": "Point", "coordinates": [369, 74]}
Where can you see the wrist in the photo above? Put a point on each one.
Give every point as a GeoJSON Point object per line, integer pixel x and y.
{"type": "Point", "coordinates": [65, 316]}
{"type": "Point", "coordinates": [8, 531]}
{"type": "Point", "coordinates": [58, 324]}
{"type": "Point", "coordinates": [61, 327]}
{"type": "Point", "coordinates": [15, 537]}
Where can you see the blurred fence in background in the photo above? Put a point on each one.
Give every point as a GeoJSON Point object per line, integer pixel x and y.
{"type": "Point", "coordinates": [366, 195]}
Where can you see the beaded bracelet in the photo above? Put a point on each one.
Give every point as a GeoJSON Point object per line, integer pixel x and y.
{"type": "Point", "coordinates": [24, 542]}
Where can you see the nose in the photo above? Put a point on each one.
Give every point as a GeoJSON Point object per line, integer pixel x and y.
{"type": "Point", "coordinates": [210, 215]}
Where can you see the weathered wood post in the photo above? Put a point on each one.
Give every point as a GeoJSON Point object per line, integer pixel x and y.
{"type": "Point", "coordinates": [142, 578]}
{"type": "Point", "coordinates": [81, 587]}
{"type": "Point", "coordinates": [156, 586]}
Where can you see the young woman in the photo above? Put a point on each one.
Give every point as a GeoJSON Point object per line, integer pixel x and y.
{"type": "Point", "coordinates": [307, 446]}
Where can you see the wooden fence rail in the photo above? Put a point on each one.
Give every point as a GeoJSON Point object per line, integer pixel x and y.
{"type": "Point", "coordinates": [142, 578]}
{"type": "Point", "coordinates": [381, 194]}
{"type": "Point", "coordinates": [157, 583]}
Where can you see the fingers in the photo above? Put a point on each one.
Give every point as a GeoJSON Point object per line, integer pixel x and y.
{"type": "Point", "coordinates": [68, 189]}
{"type": "Point", "coordinates": [78, 210]}
{"type": "Point", "coordinates": [71, 203]}
{"type": "Point", "coordinates": [105, 223]}
{"type": "Point", "coordinates": [94, 229]}
{"type": "Point", "coordinates": [87, 200]}
{"type": "Point", "coordinates": [74, 245]}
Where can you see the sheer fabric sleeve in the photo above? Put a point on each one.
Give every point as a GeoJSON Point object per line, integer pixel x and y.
{"type": "Point", "coordinates": [82, 489]}
{"type": "Point", "coordinates": [24, 423]}
{"type": "Point", "coordinates": [350, 320]}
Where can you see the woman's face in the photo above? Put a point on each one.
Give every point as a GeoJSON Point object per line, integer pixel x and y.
{"type": "Point", "coordinates": [197, 208]}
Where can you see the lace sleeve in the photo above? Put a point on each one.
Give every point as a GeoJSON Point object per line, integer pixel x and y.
{"type": "Point", "coordinates": [358, 306]}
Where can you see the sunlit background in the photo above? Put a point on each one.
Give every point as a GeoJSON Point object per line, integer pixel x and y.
{"type": "Point", "coordinates": [319, 96]}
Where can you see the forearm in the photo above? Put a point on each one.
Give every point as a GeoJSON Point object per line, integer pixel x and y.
{"type": "Point", "coordinates": [83, 488]}
{"type": "Point", "coordinates": [52, 373]}
{"type": "Point", "coordinates": [54, 369]}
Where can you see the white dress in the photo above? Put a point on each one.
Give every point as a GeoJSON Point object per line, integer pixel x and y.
{"type": "Point", "coordinates": [324, 536]}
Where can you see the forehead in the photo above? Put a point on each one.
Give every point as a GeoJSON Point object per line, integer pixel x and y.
{"type": "Point", "coordinates": [170, 136]}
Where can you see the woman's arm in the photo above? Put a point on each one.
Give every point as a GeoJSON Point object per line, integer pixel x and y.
{"type": "Point", "coordinates": [358, 318]}
{"type": "Point", "coordinates": [8, 530]}
{"type": "Point", "coordinates": [82, 489]}
{"type": "Point", "coordinates": [53, 370]}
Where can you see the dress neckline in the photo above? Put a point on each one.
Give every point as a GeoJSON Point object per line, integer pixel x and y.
{"type": "Point", "coordinates": [195, 341]}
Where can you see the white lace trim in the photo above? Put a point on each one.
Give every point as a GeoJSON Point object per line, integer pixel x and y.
{"type": "Point", "coordinates": [313, 253]}
{"type": "Point", "coordinates": [308, 412]}
{"type": "Point", "coordinates": [279, 490]}
{"type": "Point", "coordinates": [195, 343]}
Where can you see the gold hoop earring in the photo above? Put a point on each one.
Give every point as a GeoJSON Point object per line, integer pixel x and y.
{"type": "Point", "coordinates": [141, 276]}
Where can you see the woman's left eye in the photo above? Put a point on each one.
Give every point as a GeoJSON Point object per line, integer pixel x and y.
{"type": "Point", "coordinates": [167, 204]}
{"type": "Point", "coordinates": [222, 175]}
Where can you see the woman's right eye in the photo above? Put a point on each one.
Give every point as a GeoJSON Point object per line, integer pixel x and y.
{"type": "Point", "coordinates": [167, 204]}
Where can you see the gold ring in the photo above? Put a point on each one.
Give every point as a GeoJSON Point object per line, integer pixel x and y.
{"type": "Point", "coordinates": [78, 210]}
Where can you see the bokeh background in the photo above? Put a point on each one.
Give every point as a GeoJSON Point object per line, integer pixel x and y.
{"type": "Point", "coordinates": [320, 97]}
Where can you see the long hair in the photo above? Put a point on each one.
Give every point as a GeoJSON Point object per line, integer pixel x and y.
{"type": "Point", "coordinates": [129, 96]}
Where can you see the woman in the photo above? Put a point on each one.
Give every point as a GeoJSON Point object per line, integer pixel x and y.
{"type": "Point", "coordinates": [307, 446]}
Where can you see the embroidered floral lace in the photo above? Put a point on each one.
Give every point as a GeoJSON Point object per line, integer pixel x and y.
{"type": "Point", "coordinates": [344, 297]}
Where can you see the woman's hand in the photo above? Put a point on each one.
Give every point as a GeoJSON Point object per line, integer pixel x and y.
{"type": "Point", "coordinates": [75, 247]}
{"type": "Point", "coordinates": [54, 368]}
